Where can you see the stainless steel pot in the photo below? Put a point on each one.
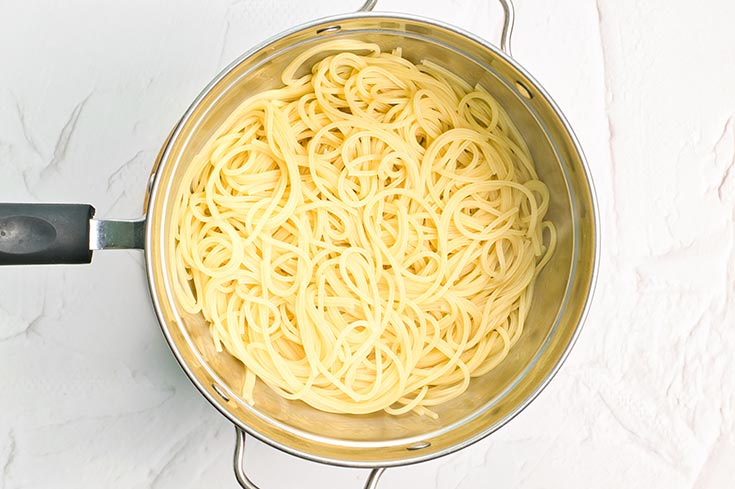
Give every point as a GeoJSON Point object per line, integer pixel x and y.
{"type": "Point", "coordinates": [35, 233]}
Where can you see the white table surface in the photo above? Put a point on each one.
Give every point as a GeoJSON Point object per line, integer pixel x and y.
{"type": "Point", "coordinates": [91, 397]}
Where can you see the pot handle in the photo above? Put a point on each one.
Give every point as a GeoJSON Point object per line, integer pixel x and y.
{"type": "Point", "coordinates": [39, 234]}
{"type": "Point", "coordinates": [246, 483]}
{"type": "Point", "coordinates": [508, 21]}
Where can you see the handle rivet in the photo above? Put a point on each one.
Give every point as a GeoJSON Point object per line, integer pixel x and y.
{"type": "Point", "coordinates": [419, 446]}
{"type": "Point", "coordinates": [523, 90]}
{"type": "Point", "coordinates": [327, 30]}
{"type": "Point", "coordinates": [218, 390]}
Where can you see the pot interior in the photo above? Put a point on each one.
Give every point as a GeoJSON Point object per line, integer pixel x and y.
{"type": "Point", "coordinates": [561, 293]}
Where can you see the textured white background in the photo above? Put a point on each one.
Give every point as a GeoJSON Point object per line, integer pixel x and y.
{"type": "Point", "coordinates": [90, 395]}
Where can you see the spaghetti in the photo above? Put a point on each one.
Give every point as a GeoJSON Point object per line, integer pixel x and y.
{"type": "Point", "coordinates": [365, 237]}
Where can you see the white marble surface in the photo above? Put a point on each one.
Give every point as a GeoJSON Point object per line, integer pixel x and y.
{"type": "Point", "coordinates": [91, 396]}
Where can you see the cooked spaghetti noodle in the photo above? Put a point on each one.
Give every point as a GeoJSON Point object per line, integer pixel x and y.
{"type": "Point", "coordinates": [366, 237]}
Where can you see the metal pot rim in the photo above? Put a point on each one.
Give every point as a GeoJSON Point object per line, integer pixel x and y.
{"type": "Point", "coordinates": [155, 191]}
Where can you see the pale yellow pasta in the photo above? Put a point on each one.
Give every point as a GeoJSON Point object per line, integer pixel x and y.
{"type": "Point", "coordinates": [366, 237]}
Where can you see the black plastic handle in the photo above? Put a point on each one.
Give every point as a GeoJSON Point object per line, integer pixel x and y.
{"type": "Point", "coordinates": [33, 234]}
